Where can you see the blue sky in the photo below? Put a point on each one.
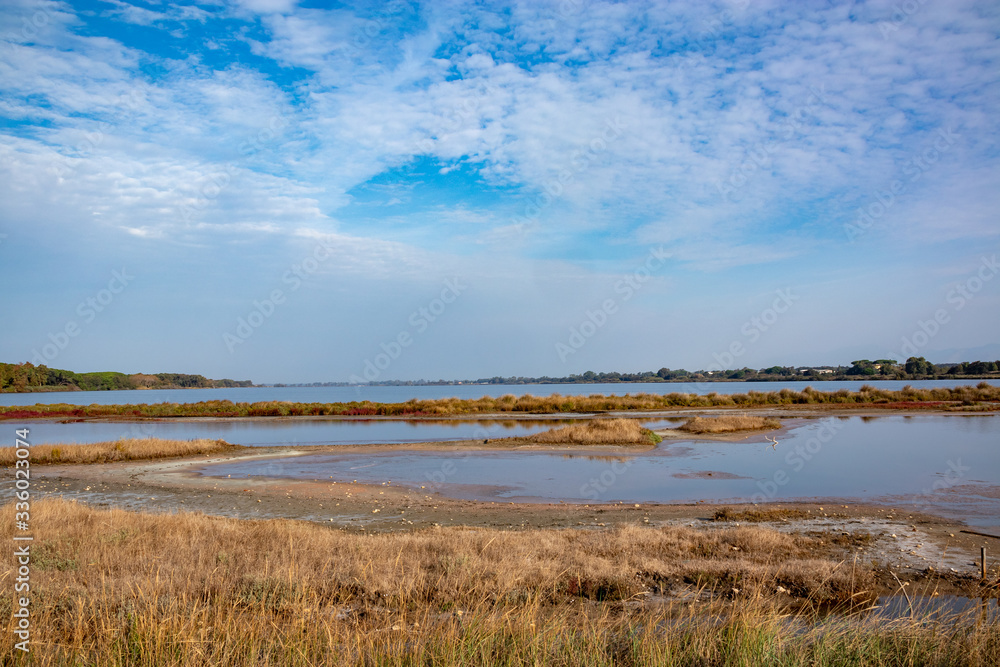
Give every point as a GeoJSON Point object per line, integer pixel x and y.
{"type": "Point", "coordinates": [283, 186]}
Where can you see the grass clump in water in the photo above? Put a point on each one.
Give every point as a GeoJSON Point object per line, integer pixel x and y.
{"type": "Point", "coordinates": [600, 432]}
{"type": "Point", "coordinates": [132, 449]}
{"type": "Point", "coordinates": [728, 424]}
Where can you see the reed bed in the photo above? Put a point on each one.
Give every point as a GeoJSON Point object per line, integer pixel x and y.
{"type": "Point", "coordinates": [982, 396]}
{"type": "Point", "coordinates": [599, 432]}
{"type": "Point", "coordinates": [728, 424]}
{"type": "Point", "coordinates": [129, 449]}
{"type": "Point", "coordinates": [115, 588]}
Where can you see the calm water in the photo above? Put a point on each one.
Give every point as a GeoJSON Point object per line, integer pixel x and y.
{"type": "Point", "coordinates": [943, 608]}
{"type": "Point", "coordinates": [275, 432]}
{"type": "Point", "coordinates": [945, 464]}
{"type": "Point", "coordinates": [402, 394]}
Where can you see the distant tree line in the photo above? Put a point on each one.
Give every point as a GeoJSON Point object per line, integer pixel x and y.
{"type": "Point", "coordinates": [28, 377]}
{"type": "Point", "coordinates": [917, 367]}
{"type": "Point", "coordinates": [914, 368]}
{"type": "Point", "coordinates": [880, 369]}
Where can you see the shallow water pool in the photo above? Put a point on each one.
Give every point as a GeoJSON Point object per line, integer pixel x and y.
{"type": "Point", "coordinates": [948, 465]}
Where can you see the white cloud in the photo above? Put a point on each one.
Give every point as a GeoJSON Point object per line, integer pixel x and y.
{"type": "Point", "coordinates": [695, 108]}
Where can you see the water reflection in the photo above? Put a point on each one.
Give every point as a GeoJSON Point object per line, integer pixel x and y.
{"type": "Point", "coordinates": [935, 609]}
{"type": "Point", "coordinates": [291, 432]}
{"type": "Point", "coordinates": [273, 432]}
{"type": "Point", "coordinates": [945, 464]}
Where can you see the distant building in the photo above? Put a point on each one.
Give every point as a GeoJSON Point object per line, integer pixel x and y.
{"type": "Point", "coordinates": [817, 371]}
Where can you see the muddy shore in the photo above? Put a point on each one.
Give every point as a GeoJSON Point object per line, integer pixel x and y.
{"type": "Point", "coordinates": [929, 553]}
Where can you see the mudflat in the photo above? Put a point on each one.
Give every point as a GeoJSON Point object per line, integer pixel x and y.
{"type": "Point", "coordinates": [920, 550]}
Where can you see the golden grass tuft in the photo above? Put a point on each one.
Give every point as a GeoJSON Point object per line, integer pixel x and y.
{"type": "Point", "coordinates": [728, 424]}
{"type": "Point", "coordinates": [131, 449]}
{"type": "Point", "coordinates": [599, 432]}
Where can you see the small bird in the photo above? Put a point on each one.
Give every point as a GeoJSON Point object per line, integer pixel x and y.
{"type": "Point", "coordinates": [773, 441]}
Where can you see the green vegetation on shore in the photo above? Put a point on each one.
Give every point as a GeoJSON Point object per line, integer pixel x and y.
{"type": "Point", "coordinates": [981, 397]}
{"type": "Point", "coordinates": [27, 377]}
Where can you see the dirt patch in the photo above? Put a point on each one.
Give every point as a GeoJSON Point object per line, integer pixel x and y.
{"type": "Point", "coordinates": [757, 515]}
{"type": "Point", "coordinates": [707, 474]}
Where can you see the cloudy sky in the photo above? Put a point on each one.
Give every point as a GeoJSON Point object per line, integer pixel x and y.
{"type": "Point", "coordinates": [301, 191]}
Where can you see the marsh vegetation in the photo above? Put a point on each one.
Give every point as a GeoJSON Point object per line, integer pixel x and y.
{"type": "Point", "coordinates": [129, 449]}
{"type": "Point", "coordinates": [983, 396]}
{"type": "Point", "coordinates": [599, 432]}
{"type": "Point", "coordinates": [117, 588]}
{"type": "Point", "coordinates": [728, 424]}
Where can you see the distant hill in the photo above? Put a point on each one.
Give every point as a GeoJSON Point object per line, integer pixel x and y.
{"type": "Point", "coordinates": [27, 377]}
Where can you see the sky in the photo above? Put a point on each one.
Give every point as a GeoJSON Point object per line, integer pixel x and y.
{"type": "Point", "coordinates": [307, 191]}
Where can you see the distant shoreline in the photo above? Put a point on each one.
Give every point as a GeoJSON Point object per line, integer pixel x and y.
{"type": "Point", "coordinates": [793, 378]}
{"type": "Point", "coordinates": [26, 378]}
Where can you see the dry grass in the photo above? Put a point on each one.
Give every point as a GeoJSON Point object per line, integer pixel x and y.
{"type": "Point", "coordinates": [118, 450]}
{"type": "Point", "coordinates": [447, 566]}
{"type": "Point", "coordinates": [111, 587]}
{"type": "Point", "coordinates": [599, 431]}
{"type": "Point", "coordinates": [728, 424]}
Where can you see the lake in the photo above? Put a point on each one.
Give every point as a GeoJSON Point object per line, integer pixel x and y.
{"type": "Point", "coordinates": [288, 432]}
{"type": "Point", "coordinates": [948, 465]}
{"type": "Point", "coordinates": [380, 394]}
